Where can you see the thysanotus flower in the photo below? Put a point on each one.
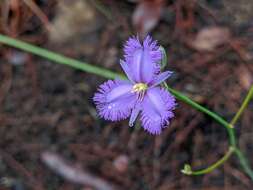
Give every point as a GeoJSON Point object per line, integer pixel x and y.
{"type": "Point", "coordinates": [141, 94]}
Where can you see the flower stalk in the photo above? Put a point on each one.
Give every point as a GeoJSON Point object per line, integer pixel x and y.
{"type": "Point", "coordinates": [188, 171]}
{"type": "Point", "coordinates": [243, 107]}
{"type": "Point", "coordinates": [234, 149]}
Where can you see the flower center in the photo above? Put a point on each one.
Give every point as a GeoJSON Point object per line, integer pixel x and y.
{"type": "Point", "coordinates": [140, 87]}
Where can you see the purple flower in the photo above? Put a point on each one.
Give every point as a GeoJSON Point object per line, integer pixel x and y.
{"type": "Point", "coordinates": [119, 99]}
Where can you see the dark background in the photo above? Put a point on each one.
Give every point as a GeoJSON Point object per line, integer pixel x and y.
{"type": "Point", "coordinates": [47, 113]}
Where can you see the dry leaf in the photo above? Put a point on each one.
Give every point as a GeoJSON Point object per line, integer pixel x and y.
{"type": "Point", "coordinates": [245, 77]}
{"type": "Point", "coordinates": [146, 15]}
{"type": "Point", "coordinates": [210, 38]}
{"type": "Point", "coordinates": [73, 18]}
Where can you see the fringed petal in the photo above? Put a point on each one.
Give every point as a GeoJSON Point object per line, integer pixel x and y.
{"type": "Point", "coordinates": [157, 107]}
{"type": "Point", "coordinates": [142, 59]}
{"type": "Point", "coordinates": [153, 47]}
{"type": "Point", "coordinates": [130, 47]}
{"type": "Point", "coordinates": [114, 100]}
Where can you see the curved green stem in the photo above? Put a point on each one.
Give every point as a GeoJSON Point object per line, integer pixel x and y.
{"type": "Point", "coordinates": [243, 106]}
{"type": "Point", "coordinates": [244, 163]}
{"type": "Point", "coordinates": [187, 169]}
{"type": "Point", "coordinates": [197, 106]}
{"type": "Point", "coordinates": [233, 149]}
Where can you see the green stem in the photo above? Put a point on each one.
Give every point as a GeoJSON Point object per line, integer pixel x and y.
{"type": "Point", "coordinates": [233, 149]}
{"type": "Point", "coordinates": [58, 58]}
{"type": "Point", "coordinates": [188, 170]}
{"type": "Point", "coordinates": [197, 106]}
{"type": "Point", "coordinates": [243, 106]}
{"type": "Point", "coordinates": [242, 159]}
{"type": "Point", "coordinates": [244, 163]}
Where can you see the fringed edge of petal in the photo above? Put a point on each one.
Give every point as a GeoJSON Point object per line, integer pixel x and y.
{"type": "Point", "coordinates": [148, 46]}
{"type": "Point", "coordinates": [155, 127]}
{"type": "Point", "coordinates": [154, 48]}
{"type": "Point", "coordinates": [131, 45]}
{"type": "Point", "coordinates": [101, 102]}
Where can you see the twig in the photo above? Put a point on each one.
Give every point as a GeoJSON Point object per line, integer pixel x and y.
{"type": "Point", "coordinates": [38, 12]}
{"type": "Point", "coordinates": [70, 173]}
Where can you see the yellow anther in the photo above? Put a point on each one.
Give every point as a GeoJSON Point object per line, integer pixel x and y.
{"type": "Point", "coordinates": [140, 87]}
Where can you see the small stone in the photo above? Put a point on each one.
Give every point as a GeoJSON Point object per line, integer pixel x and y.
{"type": "Point", "coordinates": [121, 163]}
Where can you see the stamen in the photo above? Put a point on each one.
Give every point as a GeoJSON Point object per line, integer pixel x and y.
{"type": "Point", "coordinates": [140, 88]}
